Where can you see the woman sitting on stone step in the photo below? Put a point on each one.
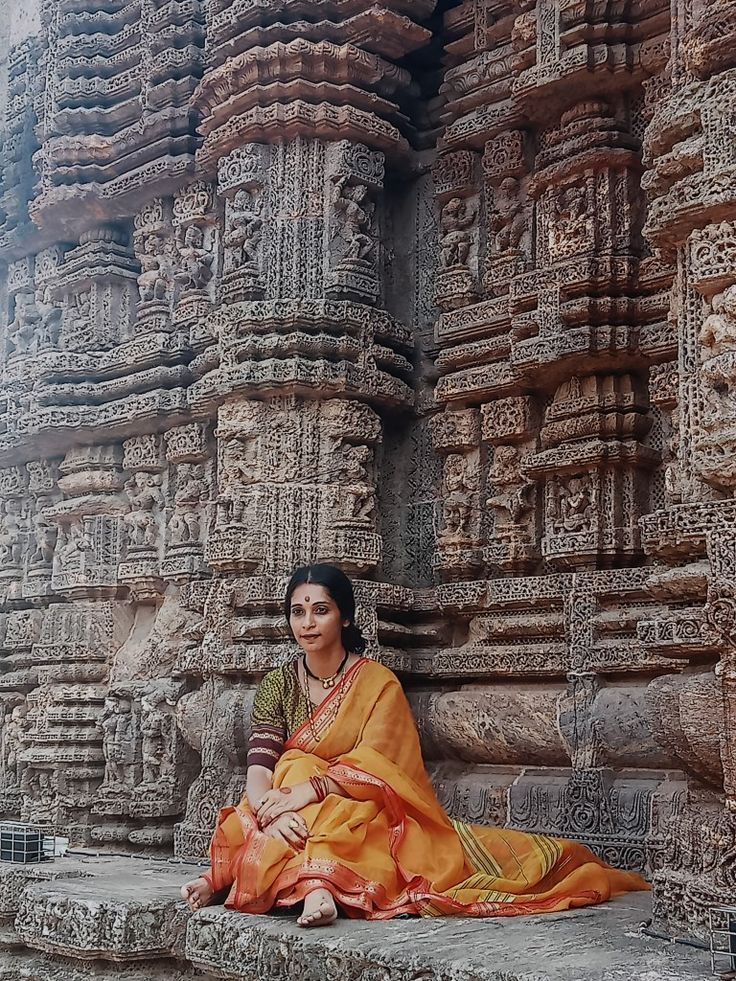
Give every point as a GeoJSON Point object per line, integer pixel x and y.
{"type": "Point", "coordinates": [339, 811]}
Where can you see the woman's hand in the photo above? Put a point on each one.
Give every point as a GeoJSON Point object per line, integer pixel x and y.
{"type": "Point", "coordinates": [277, 802]}
{"type": "Point", "coordinates": [291, 828]}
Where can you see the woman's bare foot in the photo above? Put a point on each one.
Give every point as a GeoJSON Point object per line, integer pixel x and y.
{"type": "Point", "coordinates": [196, 893]}
{"type": "Point", "coordinates": [319, 909]}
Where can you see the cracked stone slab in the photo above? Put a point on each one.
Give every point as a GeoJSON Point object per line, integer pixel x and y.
{"type": "Point", "coordinates": [15, 878]}
{"type": "Point", "coordinates": [595, 944]}
{"type": "Point", "coordinates": [125, 911]}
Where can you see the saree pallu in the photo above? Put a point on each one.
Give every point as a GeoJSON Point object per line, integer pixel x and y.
{"type": "Point", "coordinates": [388, 847]}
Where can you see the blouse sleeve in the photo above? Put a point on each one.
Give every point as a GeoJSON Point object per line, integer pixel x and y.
{"type": "Point", "coordinates": [267, 723]}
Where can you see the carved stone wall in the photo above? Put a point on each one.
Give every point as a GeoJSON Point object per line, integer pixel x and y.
{"type": "Point", "coordinates": [443, 292]}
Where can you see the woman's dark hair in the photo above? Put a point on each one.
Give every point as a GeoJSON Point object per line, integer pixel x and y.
{"type": "Point", "coordinates": [340, 589]}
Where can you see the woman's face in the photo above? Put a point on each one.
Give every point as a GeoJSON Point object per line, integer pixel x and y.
{"type": "Point", "coordinates": [315, 619]}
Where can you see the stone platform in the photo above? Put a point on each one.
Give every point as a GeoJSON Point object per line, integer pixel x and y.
{"type": "Point", "coordinates": [114, 918]}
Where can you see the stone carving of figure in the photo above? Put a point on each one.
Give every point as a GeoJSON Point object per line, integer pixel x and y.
{"type": "Point", "coordinates": [456, 222]}
{"type": "Point", "coordinates": [237, 470]}
{"type": "Point", "coordinates": [75, 543]}
{"type": "Point", "coordinates": [244, 229]}
{"type": "Point", "coordinates": [569, 228]}
{"type": "Point", "coordinates": [23, 332]}
{"type": "Point", "coordinates": [50, 321]}
{"type": "Point", "coordinates": [508, 218]}
{"type": "Point", "coordinates": [191, 495]}
{"type": "Point", "coordinates": [11, 540]}
{"type": "Point", "coordinates": [118, 742]}
{"type": "Point", "coordinates": [356, 213]}
{"type": "Point", "coordinates": [144, 493]}
{"type": "Point", "coordinates": [672, 475]}
{"type": "Point", "coordinates": [45, 793]}
{"type": "Point", "coordinates": [458, 502]}
{"type": "Point", "coordinates": [363, 505]}
{"type": "Point", "coordinates": [718, 333]}
{"type": "Point", "coordinates": [13, 744]}
{"type": "Point", "coordinates": [513, 499]}
{"type": "Point", "coordinates": [158, 730]}
{"type": "Point", "coordinates": [23, 631]}
{"type": "Point", "coordinates": [80, 313]}
{"type": "Point", "coordinates": [351, 469]}
{"type": "Point", "coordinates": [352, 464]}
{"type": "Point", "coordinates": [196, 262]}
{"type": "Point", "coordinates": [44, 536]}
{"type": "Point", "coordinates": [156, 277]}
{"type": "Point", "coordinates": [575, 506]}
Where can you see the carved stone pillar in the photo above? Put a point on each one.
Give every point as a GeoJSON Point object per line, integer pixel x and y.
{"type": "Point", "coordinates": [300, 360]}
{"type": "Point", "coordinates": [691, 216]}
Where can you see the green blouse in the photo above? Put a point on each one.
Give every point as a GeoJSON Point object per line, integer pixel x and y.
{"type": "Point", "coordinates": [280, 707]}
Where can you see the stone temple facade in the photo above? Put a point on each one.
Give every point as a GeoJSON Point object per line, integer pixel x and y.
{"type": "Point", "coordinates": [443, 292]}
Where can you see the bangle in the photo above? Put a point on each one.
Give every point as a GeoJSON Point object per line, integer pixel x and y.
{"type": "Point", "coordinates": [321, 787]}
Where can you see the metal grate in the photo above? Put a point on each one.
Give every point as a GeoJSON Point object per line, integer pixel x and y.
{"type": "Point", "coordinates": [722, 929]}
{"type": "Point", "coordinates": [25, 843]}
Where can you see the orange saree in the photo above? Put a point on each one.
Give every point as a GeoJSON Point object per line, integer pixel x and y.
{"type": "Point", "coordinates": [388, 847]}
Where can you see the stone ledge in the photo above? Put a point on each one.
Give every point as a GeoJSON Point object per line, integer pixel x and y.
{"type": "Point", "coordinates": [124, 920]}
{"type": "Point", "coordinates": [127, 910]}
{"type": "Point", "coordinates": [595, 944]}
{"type": "Point", "coordinates": [15, 879]}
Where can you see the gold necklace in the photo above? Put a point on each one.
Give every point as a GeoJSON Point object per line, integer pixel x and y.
{"type": "Point", "coordinates": [326, 682]}
{"type": "Point", "coordinates": [311, 706]}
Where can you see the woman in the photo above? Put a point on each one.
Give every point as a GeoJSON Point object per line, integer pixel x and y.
{"type": "Point", "coordinates": [339, 810]}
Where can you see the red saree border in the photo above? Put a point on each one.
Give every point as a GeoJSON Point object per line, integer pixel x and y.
{"type": "Point", "coordinates": [418, 896]}
{"type": "Point", "coordinates": [302, 736]}
{"type": "Point", "coordinates": [361, 898]}
{"type": "Point", "coordinates": [222, 866]}
{"type": "Point", "coordinates": [357, 895]}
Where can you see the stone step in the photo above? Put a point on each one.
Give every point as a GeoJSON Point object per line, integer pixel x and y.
{"type": "Point", "coordinates": [599, 943]}
{"type": "Point", "coordinates": [126, 914]}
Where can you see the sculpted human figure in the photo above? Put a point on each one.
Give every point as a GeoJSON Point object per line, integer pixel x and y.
{"type": "Point", "coordinates": [13, 744]}
{"type": "Point", "coordinates": [352, 463]}
{"type": "Point", "coordinates": [570, 214]}
{"type": "Point", "coordinates": [190, 496]}
{"type": "Point", "coordinates": [236, 472]}
{"type": "Point", "coordinates": [514, 496]}
{"type": "Point", "coordinates": [78, 328]}
{"type": "Point", "coordinates": [457, 505]}
{"type": "Point", "coordinates": [195, 270]}
{"type": "Point", "coordinates": [157, 729]}
{"type": "Point", "coordinates": [49, 326]}
{"type": "Point", "coordinates": [11, 539]}
{"type": "Point", "coordinates": [244, 229]}
{"type": "Point", "coordinates": [718, 333]}
{"type": "Point", "coordinates": [339, 811]}
{"type": "Point", "coordinates": [23, 331]}
{"type": "Point", "coordinates": [74, 543]}
{"type": "Point", "coordinates": [44, 538]}
{"type": "Point", "coordinates": [144, 493]}
{"type": "Point", "coordinates": [355, 211]}
{"type": "Point", "coordinates": [575, 505]}
{"type": "Point", "coordinates": [155, 279]}
{"type": "Point", "coordinates": [456, 222]}
{"type": "Point", "coordinates": [118, 742]}
{"type": "Point", "coordinates": [508, 219]}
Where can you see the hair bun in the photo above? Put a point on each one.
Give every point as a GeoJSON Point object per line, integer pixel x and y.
{"type": "Point", "coordinates": [353, 639]}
